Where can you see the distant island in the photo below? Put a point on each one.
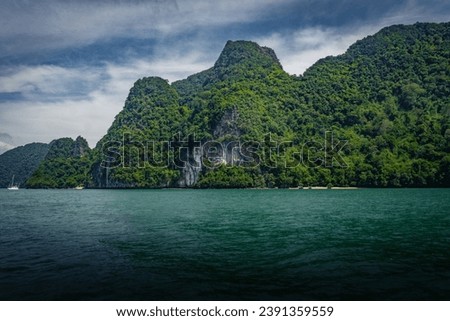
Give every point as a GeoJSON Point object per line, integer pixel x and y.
{"type": "Point", "coordinates": [376, 116]}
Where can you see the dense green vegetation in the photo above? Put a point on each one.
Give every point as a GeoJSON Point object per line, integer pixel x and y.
{"type": "Point", "coordinates": [151, 113]}
{"type": "Point", "coordinates": [21, 162]}
{"type": "Point", "coordinates": [66, 165]}
{"type": "Point", "coordinates": [388, 97]}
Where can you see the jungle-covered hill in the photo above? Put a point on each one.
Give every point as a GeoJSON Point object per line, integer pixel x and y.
{"type": "Point", "coordinates": [387, 97]}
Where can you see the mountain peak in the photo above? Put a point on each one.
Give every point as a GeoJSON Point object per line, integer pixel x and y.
{"type": "Point", "coordinates": [67, 147]}
{"type": "Point", "coordinates": [248, 53]}
{"type": "Point", "coordinates": [151, 92]}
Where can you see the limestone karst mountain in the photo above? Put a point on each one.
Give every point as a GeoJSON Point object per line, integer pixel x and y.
{"type": "Point", "coordinates": [387, 97]}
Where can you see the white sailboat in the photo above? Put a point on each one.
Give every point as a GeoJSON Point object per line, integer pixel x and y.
{"type": "Point", "coordinates": [13, 187]}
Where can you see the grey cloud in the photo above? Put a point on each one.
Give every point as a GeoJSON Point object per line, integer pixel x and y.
{"type": "Point", "coordinates": [300, 49]}
{"type": "Point", "coordinates": [5, 147]}
{"type": "Point", "coordinates": [58, 24]}
{"type": "Point", "coordinates": [51, 24]}
{"type": "Point", "coordinates": [6, 142]}
{"type": "Point", "coordinates": [70, 101]}
{"type": "Point", "coordinates": [48, 82]}
{"type": "Point", "coordinates": [90, 114]}
{"type": "Point", "coordinates": [6, 138]}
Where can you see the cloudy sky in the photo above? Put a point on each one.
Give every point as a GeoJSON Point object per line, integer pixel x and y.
{"type": "Point", "coordinates": [66, 66]}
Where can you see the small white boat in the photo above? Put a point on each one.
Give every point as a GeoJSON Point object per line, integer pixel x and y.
{"type": "Point", "coordinates": [13, 187]}
{"type": "Point", "coordinates": [79, 187]}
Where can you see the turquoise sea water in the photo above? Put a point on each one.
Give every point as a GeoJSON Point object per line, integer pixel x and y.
{"type": "Point", "coordinates": [368, 244]}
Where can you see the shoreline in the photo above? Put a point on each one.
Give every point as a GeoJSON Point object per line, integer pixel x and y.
{"type": "Point", "coordinates": [196, 188]}
{"type": "Point", "coordinates": [237, 188]}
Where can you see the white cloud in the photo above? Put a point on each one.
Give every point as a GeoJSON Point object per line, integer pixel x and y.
{"type": "Point", "coordinates": [48, 80]}
{"type": "Point", "coordinates": [5, 147]}
{"type": "Point", "coordinates": [46, 115]}
{"type": "Point", "coordinates": [171, 68]}
{"type": "Point", "coordinates": [299, 50]}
